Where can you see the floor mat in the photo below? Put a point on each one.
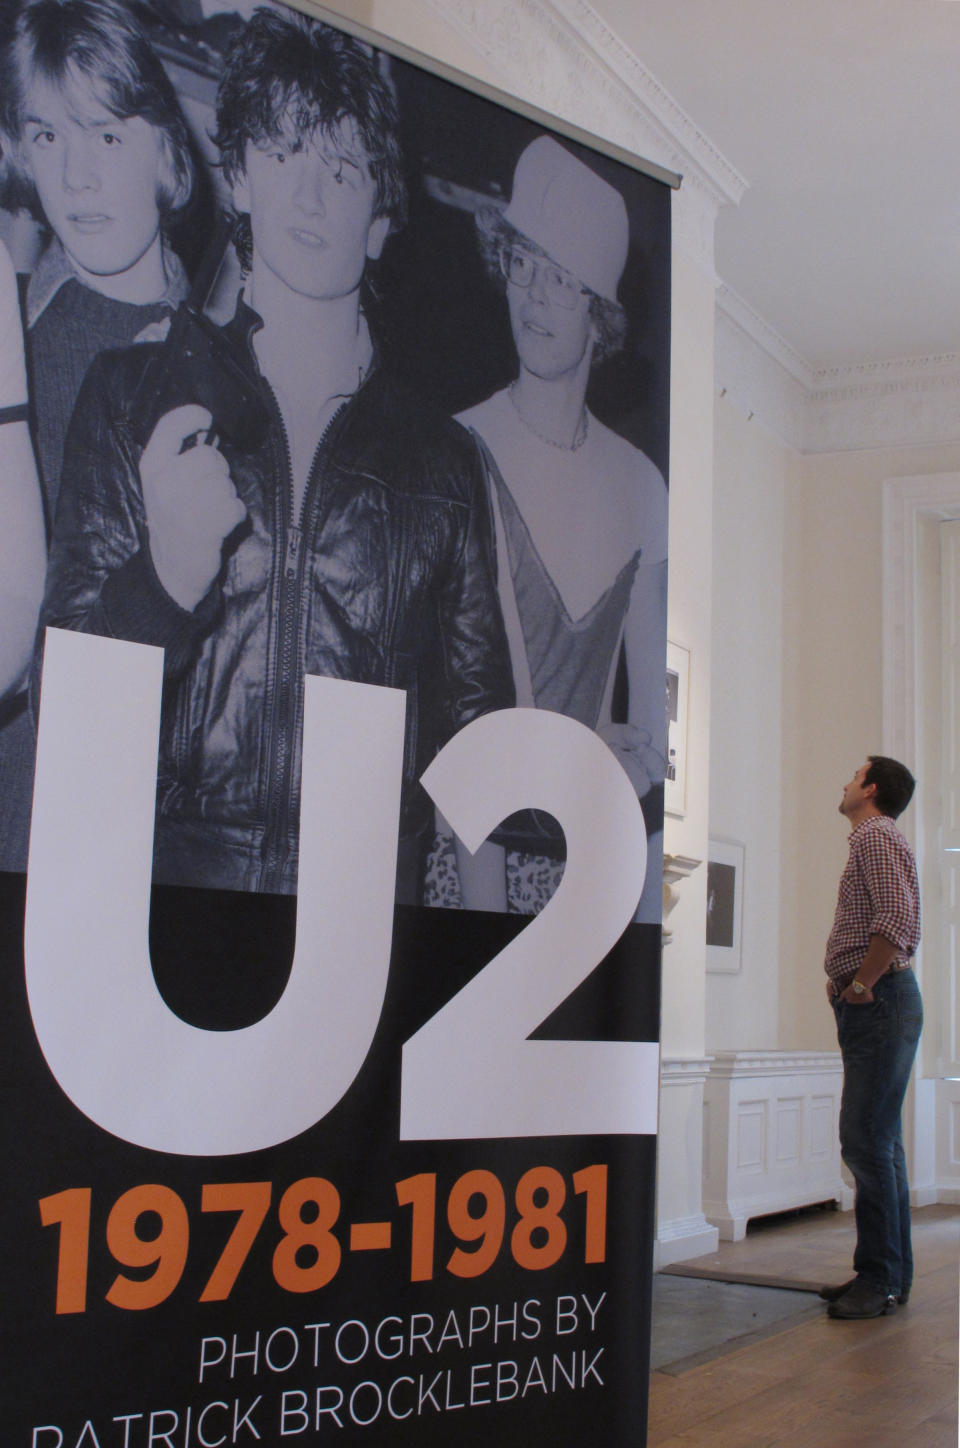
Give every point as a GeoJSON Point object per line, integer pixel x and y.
{"type": "Point", "coordinates": [696, 1319]}
{"type": "Point", "coordinates": [749, 1279]}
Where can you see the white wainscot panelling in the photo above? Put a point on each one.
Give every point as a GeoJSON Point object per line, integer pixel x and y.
{"type": "Point", "coordinates": [948, 1140]}
{"type": "Point", "coordinates": [770, 1138]}
{"type": "Point", "coordinates": [682, 1229]}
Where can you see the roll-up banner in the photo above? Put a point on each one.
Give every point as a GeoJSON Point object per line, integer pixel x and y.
{"type": "Point", "coordinates": [332, 802]}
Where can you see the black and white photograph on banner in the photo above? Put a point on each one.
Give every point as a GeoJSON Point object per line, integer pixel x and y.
{"type": "Point", "coordinates": [334, 434]}
{"type": "Point", "coordinates": [176, 526]}
{"type": "Point", "coordinates": [188, 547]}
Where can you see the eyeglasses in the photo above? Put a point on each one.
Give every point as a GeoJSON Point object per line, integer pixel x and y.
{"type": "Point", "coordinates": [520, 268]}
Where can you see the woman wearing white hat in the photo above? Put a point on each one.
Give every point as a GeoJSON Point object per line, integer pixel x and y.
{"type": "Point", "coordinates": [580, 514]}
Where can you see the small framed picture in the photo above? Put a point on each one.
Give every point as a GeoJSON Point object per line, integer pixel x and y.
{"type": "Point", "coordinates": [678, 694]}
{"type": "Point", "coordinates": [724, 906]}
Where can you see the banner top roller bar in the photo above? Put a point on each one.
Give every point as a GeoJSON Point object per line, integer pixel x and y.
{"type": "Point", "coordinates": [488, 92]}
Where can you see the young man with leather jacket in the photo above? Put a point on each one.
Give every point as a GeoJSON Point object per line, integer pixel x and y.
{"type": "Point", "coordinates": [350, 539]}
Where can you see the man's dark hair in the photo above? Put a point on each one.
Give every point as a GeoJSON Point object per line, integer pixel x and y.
{"type": "Point", "coordinates": [895, 784]}
{"type": "Point", "coordinates": [284, 70]}
{"type": "Point", "coordinates": [494, 234]}
{"type": "Point", "coordinates": [103, 43]}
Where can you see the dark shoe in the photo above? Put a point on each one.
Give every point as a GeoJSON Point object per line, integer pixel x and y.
{"type": "Point", "coordinates": [861, 1301]}
{"type": "Point", "coordinates": [833, 1294]}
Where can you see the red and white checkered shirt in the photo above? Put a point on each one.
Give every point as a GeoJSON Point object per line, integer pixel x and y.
{"type": "Point", "coordinates": [879, 895]}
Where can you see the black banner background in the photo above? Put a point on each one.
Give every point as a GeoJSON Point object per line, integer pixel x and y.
{"type": "Point", "coordinates": [105, 1363]}
{"type": "Point", "coordinates": [112, 1378]}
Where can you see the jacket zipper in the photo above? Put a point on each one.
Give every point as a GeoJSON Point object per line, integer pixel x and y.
{"type": "Point", "coordinates": [284, 682]}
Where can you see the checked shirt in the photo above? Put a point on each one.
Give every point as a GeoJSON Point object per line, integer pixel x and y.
{"type": "Point", "coordinates": [879, 895]}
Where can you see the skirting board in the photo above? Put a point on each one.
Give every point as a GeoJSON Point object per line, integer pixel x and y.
{"type": "Point", "coordinates": [683, 1238]}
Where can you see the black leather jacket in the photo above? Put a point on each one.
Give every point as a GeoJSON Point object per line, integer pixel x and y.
{"type": "Point", "coordinates": [386, 578]}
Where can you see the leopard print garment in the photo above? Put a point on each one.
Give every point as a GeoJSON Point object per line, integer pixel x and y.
{"type": "Point", "coordinates": [532, 880]}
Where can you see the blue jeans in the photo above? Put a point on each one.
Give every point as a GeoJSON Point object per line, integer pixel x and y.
{"type": "Point", "coordinates": [878, 1042]}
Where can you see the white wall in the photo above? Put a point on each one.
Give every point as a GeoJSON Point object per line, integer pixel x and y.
{"type": "Point", "coordinates": [752, 468]}
{"type": "Point", "coordinates": [832, 696]}
{"type": "Point", "coordinates": [688, 624]}
{"type": "Point", "coordinates": [682, 1230]}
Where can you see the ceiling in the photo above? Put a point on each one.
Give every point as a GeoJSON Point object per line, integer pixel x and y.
{"type": "Point", "coordinates": [844, 117]}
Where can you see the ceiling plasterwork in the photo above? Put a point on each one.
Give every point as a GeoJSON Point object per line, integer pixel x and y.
{"type": "Point", "coordinates": [910, 403]}
{"type": "Point", "coordinates": [913, 402]}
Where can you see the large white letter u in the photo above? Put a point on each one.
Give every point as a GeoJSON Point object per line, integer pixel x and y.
{"type": "Point", "coordinates": [116, 1049]}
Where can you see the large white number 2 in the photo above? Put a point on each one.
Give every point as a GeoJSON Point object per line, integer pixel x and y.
{"type": "Point", "coordinates": [140, 1072]}
{"type": "Point", "coordinates": [470, 1071]}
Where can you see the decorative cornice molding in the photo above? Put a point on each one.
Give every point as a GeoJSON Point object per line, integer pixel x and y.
{"type": "Point", "coordinates": [904, 402]}
{"type": "Point", "coordinates": [901, 403]}
{"type": "Point", "coordinates": [737, 309]}
{"type": "Point", "coordinates": [688, 143]}
{"type": "Point", "coordinates": [895, 372]}
{"type": "Point", "coordinates": [559, 55]}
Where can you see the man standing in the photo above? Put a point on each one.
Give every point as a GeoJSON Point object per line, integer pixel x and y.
{"type": "Point", "coordinates": [351, 540]}
{"type": "Point", "coordinates": [875, 997]}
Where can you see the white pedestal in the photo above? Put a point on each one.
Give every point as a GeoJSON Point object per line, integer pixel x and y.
{"type": "Point", "coordinates": [682, 1229]}
{"type": "Point", "coordinates": [770, 1135]}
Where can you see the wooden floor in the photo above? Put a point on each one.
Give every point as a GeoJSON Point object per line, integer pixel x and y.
{"type": "Point", "coordinates": [886, 1383]}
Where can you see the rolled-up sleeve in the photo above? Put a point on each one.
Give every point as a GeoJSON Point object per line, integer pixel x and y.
{"type": "Point", "coordinates": [890, 879]}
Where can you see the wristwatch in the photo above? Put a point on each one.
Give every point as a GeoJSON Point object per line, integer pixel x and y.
{"type": "Point", "coordinates": [858, 987]}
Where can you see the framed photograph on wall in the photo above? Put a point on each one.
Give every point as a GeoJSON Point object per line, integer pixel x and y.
{"type": "Point", "coordinates": [678, 693]}
{"type": "Point", "coordinates": [724, 906]}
